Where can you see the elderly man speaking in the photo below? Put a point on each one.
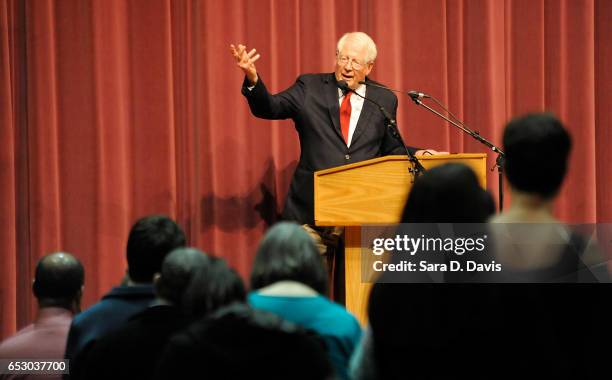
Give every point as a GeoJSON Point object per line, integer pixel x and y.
{"type": "Point", "coordinates": [335, 127]}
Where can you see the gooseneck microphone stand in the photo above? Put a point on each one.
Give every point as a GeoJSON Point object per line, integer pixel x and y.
{"type": "Point", "coordinates": [417, 168]}
{"type": "Point", "coordinates": [499, 161]}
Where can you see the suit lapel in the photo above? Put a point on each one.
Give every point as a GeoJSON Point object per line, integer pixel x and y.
{"type": "Point", "coordinates": [331, 94]}
{"type": "Point", "coordinates": [367, 111]}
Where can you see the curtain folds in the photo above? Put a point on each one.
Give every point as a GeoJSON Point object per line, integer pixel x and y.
{"type": "Point", "coordinates": [110, 110]}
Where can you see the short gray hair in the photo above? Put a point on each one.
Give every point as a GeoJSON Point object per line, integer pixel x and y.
{"type": "Point", "coordinates": [362, 38]}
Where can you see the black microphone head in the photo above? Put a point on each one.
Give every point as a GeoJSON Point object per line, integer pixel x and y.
{"type": "Point", "coordinates": [343, 86]}
{"type": "Point", "coordinates": [415, 96]}
{"type": "Point", "coordinates": [418, 95]}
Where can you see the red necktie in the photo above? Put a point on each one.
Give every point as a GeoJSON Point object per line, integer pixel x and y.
{"type": "Point", "coordinates": [345, 116]}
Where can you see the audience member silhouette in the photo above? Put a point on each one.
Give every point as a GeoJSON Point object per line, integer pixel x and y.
{"type": "Point", "coordinates": [557, 325]}
{"type": "Point", "coordinates": [542, 248]}
{"type": "Point", "coordinates": [501, 330]}
{"type": "Point", "coordinates": [218, 287]}
{"type": "Point", "coordinates": [234, 341]}
{"type": "Point", "coordinates": [132, 351]}
{"type": "Point", "coordinates": [449, 193]}
{"type": "Point", "coordinates": [151, 239]}
{"type": "Point", "coordinates": [238, 342]}
{"type": "Point", "coordinates": [288, 279]}
{"type": "Point", "coordinates": [58, 286]}
{"type": "Point", "coordinates": [428, 324]}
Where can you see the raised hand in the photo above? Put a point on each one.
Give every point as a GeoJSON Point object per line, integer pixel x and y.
{"type": "Point", "coordinates": [246, 61]}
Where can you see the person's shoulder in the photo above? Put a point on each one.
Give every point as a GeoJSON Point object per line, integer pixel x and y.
{"type": "Point", "coordinates": [316, 78]}
{"type": "Point", "coordinates": [85, 316]}
{"type": "Point", "coordinates": [380, 92]}
{"type": "Point", "coordinates": [372, 81]}
{"type": "Point", "coordinates": [94, 312]}
{"type": "Point", "coordinates": [106, 305]}
{"type": "Point", "coordinates": [339, 314]}
{"type": "Point", "coordinates": [15, 345]}
{"type": "Point", "coordinates": [255, 299]}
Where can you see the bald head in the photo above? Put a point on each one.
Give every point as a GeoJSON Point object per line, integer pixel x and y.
{"type": "Point", "coordinates": [58, 280]}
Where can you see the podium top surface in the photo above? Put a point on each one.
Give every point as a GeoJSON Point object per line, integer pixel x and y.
{"type": "Point", "coordinates": [374, 161]}
{"type": "Point", "coordinates": [374, 191]}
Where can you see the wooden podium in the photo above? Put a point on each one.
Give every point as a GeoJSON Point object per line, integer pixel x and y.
{"type": "Point", "coordinates": [371, 192]}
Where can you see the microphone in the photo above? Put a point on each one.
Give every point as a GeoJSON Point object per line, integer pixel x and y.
{"type": "Point", "coordinates": [392, 125]}
{"type": "Point", "coordinates": [455, 121]}
{"type": "Point", "coordinates": [343, 86]}
{"type": "Point", "coordinates": [418, 95]}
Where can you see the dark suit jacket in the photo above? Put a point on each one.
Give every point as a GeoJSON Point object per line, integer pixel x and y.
{"type": "Point", "coordinates": [132, 351]}
{"type": "Point", "coordinates": [312, 103]}
{"type": "Point", "coordinates": [110, 313]}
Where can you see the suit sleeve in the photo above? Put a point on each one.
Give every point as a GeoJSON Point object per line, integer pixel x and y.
{"type": "Point", "coordinates": [391, 145]}
{"type": "Point", "coordinates": [284, 105]}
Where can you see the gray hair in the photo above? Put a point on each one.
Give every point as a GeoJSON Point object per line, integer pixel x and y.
{"type": "Point", "coordinates": [287, 252]}
{"type": "Point", "coordinates": [362, 38]}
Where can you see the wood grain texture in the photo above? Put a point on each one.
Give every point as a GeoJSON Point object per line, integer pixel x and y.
{"type": "Point", "coordinates": [374, 191]}
{"type": "Point", "coordinates": [371, 192]}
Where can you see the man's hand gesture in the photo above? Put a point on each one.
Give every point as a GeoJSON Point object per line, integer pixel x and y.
{"type": "Point", "coordinates": [246, 61]}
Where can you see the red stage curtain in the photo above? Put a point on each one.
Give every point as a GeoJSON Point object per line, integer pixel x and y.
{"type": "Point", "coordinates": [113, 109]}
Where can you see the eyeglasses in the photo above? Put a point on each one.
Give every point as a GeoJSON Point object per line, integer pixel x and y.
{"type": "Point", "coordinates": [343, 60]}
